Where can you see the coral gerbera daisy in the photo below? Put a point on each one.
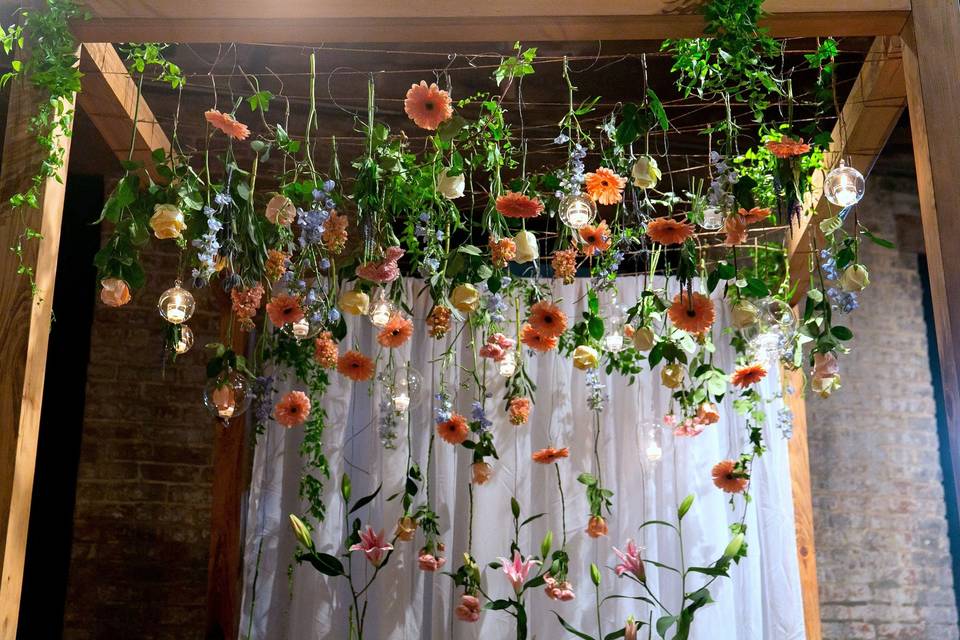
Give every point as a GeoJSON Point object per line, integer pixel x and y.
{"type": "Point", "coordinates": [669, 231]}
{"type": "Point", "coordinates": [727, 477]}
{"type": "Point", "coordinates": [693, 314]}
{"type": "Point", "coordinates": [550, 455]}
{"type": "Point", "coordinates": [292, 409]}
{"type": "Point", "coordinates": [284, 309]}
{"type": "Point", "coordinates": [537, 341]}
{"type": "Point", "coordinates": [454, 430]}
{"type": "Point", "coordinates": [356, 366]}
{"type": "Point", "coordinates": [604, 186]}
{"type": "Point", "coordinates": [397, 331]}
{"type": "Point", "coordinates": [227, 124]}
{"type": "Point", "coordinates": [427, 106]}
{"type": "Point", "coordinates": [746, 376]}
{"type": "Point", "coordinates": [547, 319]}
{"type": "Point", "coordinates": [517, 205]}
{"type": "Point", "coordinates": [787, 148]}
{"type": "Point", "coordinates": [755, 215]}
{"type": "Point", "coordinates": [595, 238]}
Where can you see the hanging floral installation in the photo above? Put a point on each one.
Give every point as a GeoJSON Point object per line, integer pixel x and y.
{"type": "Point", "coordinates": [487, 232]}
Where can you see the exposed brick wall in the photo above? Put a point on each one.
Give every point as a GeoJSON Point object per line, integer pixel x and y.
{"type": "Point", "coordinates": [882, 550]}
{"type": "Point", "coordinates": [141, 526]}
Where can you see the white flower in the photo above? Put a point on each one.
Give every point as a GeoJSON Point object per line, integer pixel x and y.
{"type": "Point", "coordinates": [527, 250]}
{"type": "Point", "coordinates": [854, 278]}
{"type": "Point", "coordinates": [646, 173]}
{"type": "Point", "coordinates": [451, 187]}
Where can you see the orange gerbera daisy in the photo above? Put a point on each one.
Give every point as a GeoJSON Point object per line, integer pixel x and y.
{"type": "Point", "coordinates": [227, 124]}
{"type": "Point", "coordinates": [669, 231]}
{"type": "Point", "coordinates": [550, 455]}
{"type": "Point", "coordinates": [454, 430]}
{"type": "Point", "coordinates": [693, 314]}
{"type": "Point", "coordinates": [755, 215]}
{"type": "Point", "coordinates": [292, 409]}
{"type": "Point", "coordinates": [736, 230]}
{"type": "Point", "coordinates": [788, 148]}
{"type": "Point", "coordinates": [427, 106]}
{"type": "Point", "coordinates": [595, 238]}
{"type": "Point", "coordinates": [547, 319]}
{"type": "Point", "coordinates": [726, 477]}
{"type": "Point", "coordinates": [325, 350]}
{"type": "Point", "coordinates": [355, 365]}
{"type": "Point", "coordinates": [605, 186]}
{"type": "Point", "coordinates": [517, 205]}
{"type": "Point", "coordinates": [397, 331]}
{"type": "Point", "coordinates": [536, 341]}
{"type": "Point", "coordinates": [746, 376]}
{"type": "Point", "coordinates": [284, 309]}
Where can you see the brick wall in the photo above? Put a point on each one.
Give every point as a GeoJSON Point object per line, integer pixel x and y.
{"type": "Point", "coordinates": [141, 526]}
{"type": "Point", "coordinates": [882, 549]}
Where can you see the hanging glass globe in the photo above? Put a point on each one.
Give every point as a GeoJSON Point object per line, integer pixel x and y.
{"type": "Point", "coordinates": [781, 315]}
{"type": "Point", "coordinates": [508, 366]}
{"type": "Point", "coordinates": [402, 388]}
{"type": "Point", "coordinates": [614, 340]}
{"type": "Point", "coordinates": [176, 304]}
{"type": "Point", "coordinates": [844, 186]}
{"type": "Point", "coordinates": [303, 329]}
{"type": "Point", "coordinates": [577, 210]}
{"type": "Point", "coordinates": [651, 441]}
{"type": "Point", "coordinates": [774, 327]}
{"type": "Point", "coordinates": [185, 342]}
{"type": "Point", "coordinates": [381, 310]}
{"type": "Point", "coordinates": [712, 219]}
{"type": "Point", "coordinates": [228, 395]}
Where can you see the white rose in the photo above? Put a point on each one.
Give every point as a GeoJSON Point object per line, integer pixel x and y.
{"type": "Point", "coordinates": [646, 173]}
{"type": "Point", "coordinates": [451, 187]}
{"type": "Point", "coordinates": [854, 278]}
{"type": "Point", "coordinates": [527, 250]}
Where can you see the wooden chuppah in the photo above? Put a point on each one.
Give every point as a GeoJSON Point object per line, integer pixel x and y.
{"type": "Point", "coordinates": [928, 29]}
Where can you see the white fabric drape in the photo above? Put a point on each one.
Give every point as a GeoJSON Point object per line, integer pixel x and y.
{"type": "Point", "coordinates": [761, 601]}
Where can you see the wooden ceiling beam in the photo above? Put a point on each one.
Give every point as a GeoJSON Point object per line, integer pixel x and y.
{"type": "Point", "coordinates": [872, 110]}
{"type": "Point", "coordinates": [311, 22]}
{"type": "Point", "coordinates": [109, 98]}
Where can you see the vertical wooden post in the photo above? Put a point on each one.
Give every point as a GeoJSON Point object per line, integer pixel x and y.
{"type": "Point", "coordinates": [931, 62]}
{"type": "Point", "coordinates": [24, 333]}
{"type": "Point", "coordinates": [803, 503]}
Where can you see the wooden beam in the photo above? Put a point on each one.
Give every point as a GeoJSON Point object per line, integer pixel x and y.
{"type": "Point", "coordinates": [311, 22]}
{"type": "Point", "coordinates": [803, 502]}
{"type": "Point", "coordinates": [109, 98]}
{"type": "Point", "coordinates": [24, 333]}
{"type": "Point", "coordinates": [872, 110]}
{"type": "Point", "coordinates": [931, 61]}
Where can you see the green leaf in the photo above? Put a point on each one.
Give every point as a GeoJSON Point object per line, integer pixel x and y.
{"type": "Point", "coordinates": [565, 625]}
{"type": "Point", "coordinates": [515, 508]}
{"type": "Point", "coordinates": [657, 107]}
{"type": "Point", "coordinates": [595, 327]}
{"type": "Point", "coordinates": [841, 333]}
{"type": "Point", "coordinates": [260, 101]}
{"type": "Point", "coordinates": [362, 502]}
{"type": "Point", "coordinates": [877, 240]}
{"type": "Point", "coordinates": [326, 564]}
{"type": "Point", "coordinates": [498, 605]}
{"type": "Point", "coordinates": [664, 623]}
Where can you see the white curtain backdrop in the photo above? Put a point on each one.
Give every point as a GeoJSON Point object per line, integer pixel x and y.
{"type": "Point", "coordinates": [761, 601]}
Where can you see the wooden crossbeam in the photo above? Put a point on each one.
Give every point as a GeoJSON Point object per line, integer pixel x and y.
{"type": "Point", "coordinates": [109, 98]}
{"type": "Point", "coordinates": [871, 112]}
{"type": "Point", "coordinates": [312, 22]}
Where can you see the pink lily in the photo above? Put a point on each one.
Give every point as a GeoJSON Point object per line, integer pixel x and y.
{"type": "Point", "coordinates": [374, 545]}
{"type": "Point", "coordinates": [630, 561]}
{"type": "Point", "coordinates": [517, 570]}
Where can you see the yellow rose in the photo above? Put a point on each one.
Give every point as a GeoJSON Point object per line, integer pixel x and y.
{"type": "Point", "coordinates": [527, 250]}
{"type": "Point", "coordinates": [115, 292]}
{"type": "Point", "coordinates": [854, 278]}
{"type": "Point", "coordinates": [465, 298]}
{"type": "Point", "coordinates": [825, 386]}
{"type": "Point", "coordinates": [743, 314]}
{"type": "Point", "coordinates": [646, 173]}
{"type": "Point", "coordinates": [406, 529]}
{"type": "Point", "coordinates": [354, 302]}
{"type": "Point", "coordinates": [672, 376]}
{"type": "Point", "coordinates": [585, 357]}
{"type": "Point", "coordinates": [167, 221]}
{"type": "Point", "coordinates": [643, 339]}
{"type": "Point", "coordinates": [451, 187]}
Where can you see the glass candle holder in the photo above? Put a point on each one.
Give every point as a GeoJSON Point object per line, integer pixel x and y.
{"type": "Point", "coordinates": [844, 186]}
{"type": "Point", "coordinates": [176, 304]}
{"type": "Point", "coordinates": [577, 210]}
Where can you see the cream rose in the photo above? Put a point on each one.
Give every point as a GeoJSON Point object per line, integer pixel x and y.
{"type": "Point", "coordinates": [854, 278]}
{"type": "Point", "coordinates": [167, 221]}
{"type": "Point", "coordinates": [354, 302]}
{"type": "Point", "coordinates": [527, 250]}
{"type": "Point", "coordinates": [451, 187]}
{"type": "Point", "coordinates": [280, 210]}
{"type": "Point", "coordinates": [585, 357]}
{"type": "Point", "coordinates": [465, 298]}
{"type": "Point", "coordinates": [646, 173]}
{"type": "Point", "coordinates": [672, 376]}
{"type": "Point", "coordinates": [643, 339]}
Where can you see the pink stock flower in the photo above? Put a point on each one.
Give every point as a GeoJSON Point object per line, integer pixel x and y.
{"type": "Point", "coordinates": [630, 561]}
{"type": "Point", "coordinates": [382, 271]}
{"type": "Point", "coordinates": [374, 545]}
{"type": "Point", "coordinates": [469, 608]}
{"type": "Point", "coordinates": [562, 591]}
{"type": "Point", "coordinates": [517, 570]}
{"type": "Point", "coordinates": [429, 562]}
{"type": "Point", "coordinates": [690, 427]}
{"type": "Point", "coordinates": [496, 347]}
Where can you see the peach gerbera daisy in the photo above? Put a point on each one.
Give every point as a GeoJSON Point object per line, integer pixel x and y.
{"type": "Point", "coordinates": [755, 215]}
{"type": "Point", "coordinates": [547, 319]}
{"type": "Point", "coordinates": [427, 106]}
{"type": "Point", "coordinates": [595, 238]}
{"type": "Point", "coordinates": [517, 205]}
{"type": "Point", "coordinates": [550, 455]}
{"type": "Point", "coordinates": [284, 309]}
{"type": "Point", "coordinates": [536, 341]}
{"type": "Point", "coordinates": [227, 124]}
{"type": "Point", "coordinates": [605, 186]}
{"type": "Point", "coordinates": [397, 331]}
{"type": "Point", "coordinates": [726, 477]}
{"type": "Point", "coordinates": [292, 409]}
{"type": "Point", "coordinates": [736, 230]}
{"type": "Point", "coordinates": [356, 366]}
{"type": "Point", "coordinates": [746, 376]}
{"type": "Point", "coordinates": [693, 314]}
{"type": "Point", "coordinates": [454, 430]}
{"type": "Point", "coordinates": [669, 231]}
{"type": "Point", "coordinates": [788, 148]}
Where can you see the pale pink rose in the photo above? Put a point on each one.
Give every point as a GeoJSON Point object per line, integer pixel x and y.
{"type": "Point", "coordinates": [429, 562]}
{"type": "Point", "coordinates": [115, 292]}
{"type": "Point", "coordinates": [469, 608]}
{"type": "Point", "coordinates": [825, 365]}
{"type": "Point", "coordinates": [382, 271]}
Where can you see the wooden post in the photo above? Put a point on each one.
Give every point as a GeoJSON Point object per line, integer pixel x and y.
{"type": "Point", "coordinates": [931, 62]}
{"type": "Point", "coordinates": [24, 333]}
